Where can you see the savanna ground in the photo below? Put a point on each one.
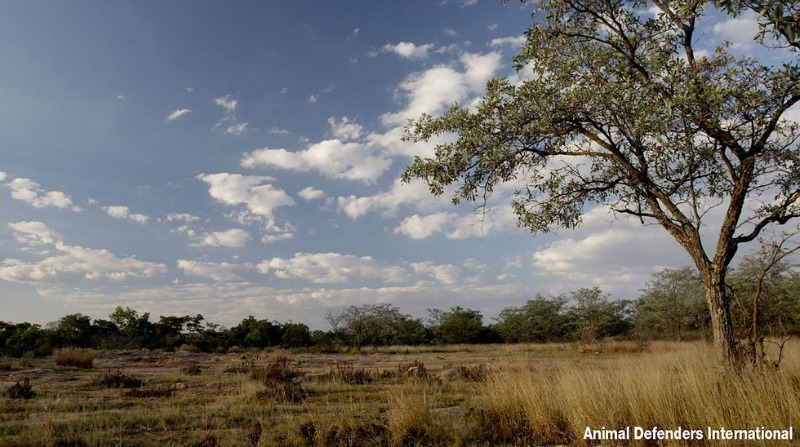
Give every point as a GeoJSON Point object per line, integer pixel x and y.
{"type": "Point", "coordinates": [467, 395]}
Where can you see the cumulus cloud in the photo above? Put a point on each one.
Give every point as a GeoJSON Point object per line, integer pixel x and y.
{"type": "Point", "coordinates": [515, 42]}
{"type": "Point", "coordinates": [177, 114]}
{"type": "Point", "coordinates": [445, 273]}
{"type": "Point", "coordinates": [338, 158]}
{"type": "Point", "coordinates": [331, 268]}
{"type": "Point", "coordinates": [458, 226]}
{"type": "Point", "coordinates": [740, 31]}
{"type": "Point", "coordinates": [218, 271]}
{"type": "Point", "coordinates": [421, 227]}
{"type": "Point", "coordinates": [335, 268]}
{"type": "Point", "coordinates": [310, 193]}
{"type": "Point", "coordinates": [415, 193]}
{"type": "Point", "coordinates": [259, 197]}
{"type": "Point", "coordinates": [235, 237]}
{"type": "Point", "coordinates": [123, 212]}
{"type": "Point", "coordinates": [409, 50]}
{"type": "Point", "coordinates": [70, 262]}
{"type": "Point", "coordinates": [434, 90]}
{"type": "Point", "coordinates": [2, 176]}
{"type": "Point", "coordinates": [29, 191]}
{"type": "Point", "coordinates": [609, 255]}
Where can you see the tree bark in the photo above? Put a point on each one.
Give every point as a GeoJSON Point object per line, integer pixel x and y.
{"type": "Point", "coordinates": [721, 322]}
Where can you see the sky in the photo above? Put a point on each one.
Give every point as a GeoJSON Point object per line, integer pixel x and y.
{"type": "Point", "coordinates": [243, 158]}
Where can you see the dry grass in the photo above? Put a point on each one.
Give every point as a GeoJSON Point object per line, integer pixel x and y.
{"type": "Point", "coordinates": [682, 388]}
{"type": "Point", "coordinates": [528, 395]}
{"type": "Point", "coordinates": [74, 357]}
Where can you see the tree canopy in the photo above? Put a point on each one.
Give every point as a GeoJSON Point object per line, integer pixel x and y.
{"type": "Point", "coordinates": [635, 110]}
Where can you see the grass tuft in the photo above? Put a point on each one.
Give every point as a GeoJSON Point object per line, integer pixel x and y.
{"type": "Point", "coordinates": [75, 358]}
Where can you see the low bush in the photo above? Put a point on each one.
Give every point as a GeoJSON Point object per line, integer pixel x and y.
{"type": "Point", "coordinates": [23, 390]}
{"type": "Point", "coordinates": [116, 379]}
{"type": "Point", "coordinates": [347, 374]}
{"type": "Point", "coordinates": [75, 358]}
{"type": "Point", "coordinates": [282, 381]}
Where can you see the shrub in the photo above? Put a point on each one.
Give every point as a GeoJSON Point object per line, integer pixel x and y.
{"type": "Point", "coordinates": [75, 358]}
{"type": "Point", "coordinates": [349, 375]}
{"type": "Point", "coordinates": [22, 390]}
{"type": "Point", "coordinates": [282, 381]}
{"type": "Point", "coordinates": [119, 380]}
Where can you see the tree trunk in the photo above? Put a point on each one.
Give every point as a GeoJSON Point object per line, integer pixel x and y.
{"type": "Point", "coordinates": [721, 322]}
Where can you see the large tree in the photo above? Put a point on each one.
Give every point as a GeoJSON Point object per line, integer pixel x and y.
{"type": "Point", "coordinates": [627, 104]}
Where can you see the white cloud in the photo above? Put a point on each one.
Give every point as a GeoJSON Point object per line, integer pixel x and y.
{"type": "Point", "coordinates": [345, 129]}
{"type": "Point", "coordinates": [72, 262]}
{"type": "Point", "coordinates": [278, 131]}
{"type": "Point", "coordinates": [740, 31]}
{"type": "Point", "coordinates": [185, 217]}
{"type": "Point", "coordinates": [415, 193]}
{"type": "Point", "coordinates": [515, 42]}
{"type": "Point", "coordinates": [309, 193]}
{"type": "Point", "coordinates": [177, 114]}
{"type": "Point", "coordinates": [230, 122]}
{"type": "Point", "coordinates": [235, 237]}
{"type": "Point", "coordinates": [434, 90]}
{"type": "Point", "coordinates": [331, 268]}
{"type": "Point", "coordinates": [421, 227]}
{"type": "Point", "coordinates": [218, 271]}
{"type": "Point", "coordinates": [2, 176]}
{"type": "Point", "coordinates": [227, 103]}
{"type": "Point", "coordinates": [123, 212]}
{"type": "Point", "coordinates": [445, 274]}
{"type": "Point", "coordinates": [29, 191]}
{"type": "Point", "coordinates": [313, 99]}
{"type": "Point", "coordinates": [409, 50]}
{"type": "Point", "coordinates": [609, 255]}
{"type": "Point", "coordinates": [259, 198]}
{"type": "Point", "coordinates": [337, 158]}
{"type": "Point", "coordinates": [236, 129]}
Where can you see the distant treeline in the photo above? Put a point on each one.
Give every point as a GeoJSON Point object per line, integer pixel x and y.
{"type": "Point", "coordinates": [672, 306]}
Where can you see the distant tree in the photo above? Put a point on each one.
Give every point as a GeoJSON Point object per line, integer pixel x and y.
{"type": "Point", "coordinates": [766, 291]}
{"type": "Point", "coordinates": [136, 331]}
{"type": "Point", "coordinates": [618, 106]}
{"type": "Point", "coordinates": [460, 325]}
{"type": "Point", "coordinates": [295, 335]}
{"type": "Point", "coordinates": [169, 331]}
{"type": "Point", "coordinates": [672, 305]}
{"type": "Point", "coordinates": [22, 338]}
{"type": "Point", "coordinates": [371, 324]}
{"type": "Point", "coordinates": [253, 333]}
{"type": "Point", "coordinates": [539, 320]}
{"type": "Point", "coordinates": [105, 334]}
{"type": "Point", "coordinates": [411, 331]}
{"type": "Point", "coordinates": [74, 330]}
{"type": "Point", "coordinates": [595, 317]}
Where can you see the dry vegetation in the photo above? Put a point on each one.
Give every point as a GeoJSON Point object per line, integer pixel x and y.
{"type": "Point", "coordinates": [435, 396]}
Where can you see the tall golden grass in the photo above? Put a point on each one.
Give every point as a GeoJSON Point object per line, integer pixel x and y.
{"type": "Point", "coordinates": [664, 388]}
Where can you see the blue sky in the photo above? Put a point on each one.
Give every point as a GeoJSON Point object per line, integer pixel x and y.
{"type": "Point", "coordinates": [238, 158]}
